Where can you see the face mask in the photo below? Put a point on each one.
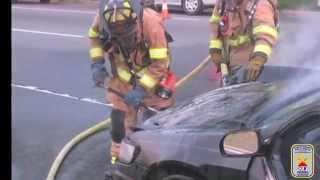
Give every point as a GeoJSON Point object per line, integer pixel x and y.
{"type": "Point", "coordinates": [125, 33]}
{"type": "Point", "coordinates": [128, 41]}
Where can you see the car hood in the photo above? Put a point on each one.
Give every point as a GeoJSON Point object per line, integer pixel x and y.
{"type": "Point", "coordinates": [224, 108]}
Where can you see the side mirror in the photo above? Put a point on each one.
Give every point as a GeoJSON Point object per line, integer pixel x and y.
{"type": "Point", "coordinates": [241, 143]}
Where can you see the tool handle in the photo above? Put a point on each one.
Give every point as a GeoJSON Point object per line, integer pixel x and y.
{"type": "Point", "coordinates": [194, 72]}
{"type": "Point", "coordinates": [224, 69]}
{"type": "Point", "coordinates": [224, 74]}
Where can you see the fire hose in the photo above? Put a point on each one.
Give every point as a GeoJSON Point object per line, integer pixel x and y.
{"type": "Point", "coordinates": [106, 123]}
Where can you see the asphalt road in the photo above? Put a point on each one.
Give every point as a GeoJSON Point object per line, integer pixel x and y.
{"type": "Point", "coordinates": [53, 98]}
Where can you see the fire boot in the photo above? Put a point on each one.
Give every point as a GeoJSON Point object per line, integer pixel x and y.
{"type": "Point", "coordinates": [117, 133]}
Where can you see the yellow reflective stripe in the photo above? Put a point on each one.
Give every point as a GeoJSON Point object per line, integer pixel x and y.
{"type": "Point", "coordinates": [239, 40]}
{"type": "Point", "coordinates": [118, 16]}
{"type": "Point", "coordinates": [158, 53]}
{"type": "Point", "coordinates": [214, 18]}
{"type": "Point", "coordinates": [126, 4]}
{"type": "Point", "coordinates": [266, 29]}
{"type": "Point", "coordinates": [263, 48]}
{"type": "Point", "coordinates": [92, 33]}
{"type": "Point", "coordinates": [146, 79]}
{"type": "Point", "coordinates": [123, 74]}
{"type": "Point", "coordinates": [215, 43]}
{"type": "Point", "coordinates": [96, 52]}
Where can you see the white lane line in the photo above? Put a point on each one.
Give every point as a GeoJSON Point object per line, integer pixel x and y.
{"type": "Point", "coordinates": [47, 33]}
{"type": "Point", "coordinates": [184, 19]}
{"type": "Point", "coordinates": [84, 99]}
{"type": "Point", "coordinates": [91, 12]}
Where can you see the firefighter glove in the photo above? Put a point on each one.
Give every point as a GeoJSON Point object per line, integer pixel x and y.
{"type": "Point", "coordinates": [99, 72]}
{"type": "Point", "coordinates": [216, 57]}
{"type": "Point", "coordinates": [135, 96]}
{"type": "Point", "coordinates": [255, 66]}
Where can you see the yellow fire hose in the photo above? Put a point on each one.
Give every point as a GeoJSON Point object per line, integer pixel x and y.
{"type": "Point", "coordinates": [106, 123]}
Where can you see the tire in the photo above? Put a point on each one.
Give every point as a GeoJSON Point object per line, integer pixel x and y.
{"type": "Point", "coordinates": [178, 177]}
{"type": "Point", "coordinates": [158, 8]}
{"type": "Point", "coordinates": [175, 173]}
{"type": "Point", "coordinates": [45, 1]}
{"type": "Point", "coordinates": [192, 7]}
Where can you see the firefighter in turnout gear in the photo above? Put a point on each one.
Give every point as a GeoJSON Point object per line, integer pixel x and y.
{"type": "Point", "coordinates": [134, 40]}
{"type": "Point", "coordinates": [243, 32]}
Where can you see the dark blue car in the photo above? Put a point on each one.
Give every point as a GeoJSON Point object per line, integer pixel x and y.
{"type": "Point", "coordinates": [254, 131]}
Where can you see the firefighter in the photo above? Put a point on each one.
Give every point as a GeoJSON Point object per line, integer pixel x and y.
{"type": "Point", "coordinates": [134, 40]}
{"type": "Point", "coordinates": [243, 32]}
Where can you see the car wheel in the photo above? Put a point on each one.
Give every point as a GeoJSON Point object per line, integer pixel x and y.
{"type": "Point", "coordinates": [44, 1]}
{"type": "Point", "coordinates": [158, 8]}
{"type": "Point", "coordinates": [178, 177]}
{"type": "Point", "coordinates": [192, 7]}
{"type": "Point", "coordinates": [175, 173]}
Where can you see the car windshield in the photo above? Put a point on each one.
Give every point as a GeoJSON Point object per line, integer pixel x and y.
{"type": "Point", "coordinates": [219, 108]}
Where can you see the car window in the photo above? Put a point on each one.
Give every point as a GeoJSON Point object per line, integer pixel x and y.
{"type": "Point", "coordinates": [306, 132]}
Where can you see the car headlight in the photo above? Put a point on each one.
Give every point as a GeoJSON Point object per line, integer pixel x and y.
{"type": "Point", "coordinates": [128, 152]}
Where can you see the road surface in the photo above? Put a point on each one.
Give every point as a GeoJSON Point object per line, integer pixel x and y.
{"type": "Point", "coordinates": [53, 98]}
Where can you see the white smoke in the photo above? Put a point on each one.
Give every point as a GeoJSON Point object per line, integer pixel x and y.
{"type": "Point", "coordinates": [298, 46]}
{"type": "Point", "coordinates": [299, 40]}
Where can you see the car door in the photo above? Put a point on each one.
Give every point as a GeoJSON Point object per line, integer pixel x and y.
{"type": "Point", "coordinates": [283, 159]}
{"type": "Point", "coordinates": [170, 2]}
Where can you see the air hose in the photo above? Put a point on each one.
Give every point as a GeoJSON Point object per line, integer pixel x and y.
{"type": "Point", "coordinates": [106, 123]}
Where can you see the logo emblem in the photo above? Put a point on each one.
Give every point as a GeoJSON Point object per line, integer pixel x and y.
{"type": "Point", "coordinates": [302, 160]}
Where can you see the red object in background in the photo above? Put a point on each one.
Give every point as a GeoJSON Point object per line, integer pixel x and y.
{"type": "Point", "coordinates": [165, 11]}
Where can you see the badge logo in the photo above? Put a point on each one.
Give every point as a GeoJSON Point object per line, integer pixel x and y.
{"type": "Point", "coordinates": [302, 160]}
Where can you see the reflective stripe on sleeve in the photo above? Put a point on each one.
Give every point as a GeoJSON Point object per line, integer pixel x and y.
{"type": "Point", "coordinates": [263, 48]}
{"type": "Point", "coordinates": [215, 43]}
{"type": "Point", "coordinates": [124, 75]}
{"type": "Point", "coordinates": [158, 53]}
{"type": "Point", "coordinates": [214, 19]}
{"type": "Point", "coordinates": [126, 4]}
{"type": "Point", "coordinates": [146, 79]}
{"type": "Point", "coordinates": [266, 30]}
{"type": "Point", "coordinates": [96, 52]}
{"type": "Point", "coordinates": [92, 33]}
